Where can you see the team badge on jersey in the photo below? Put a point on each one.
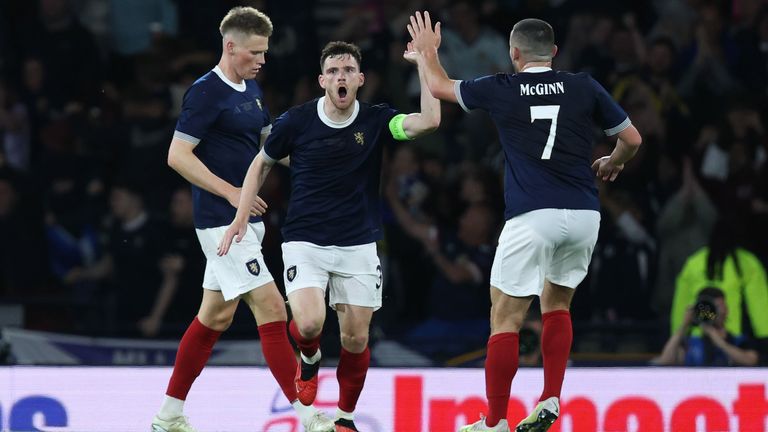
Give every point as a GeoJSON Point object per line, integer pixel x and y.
{"type": "Point", "coordinates": [291, 273]}
{"type": "Point", "coordinates": [253, 267]}
{"type": "Point", "coordinates": [359, 138]}
{"type": "Point", "coordinates": [378, 272]}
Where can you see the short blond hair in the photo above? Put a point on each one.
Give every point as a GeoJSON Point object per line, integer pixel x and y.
{"type": "Point", "coordinates": [246, 20]}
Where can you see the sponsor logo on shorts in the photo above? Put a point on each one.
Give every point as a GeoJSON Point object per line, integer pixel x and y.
{"type": "Point", "coordinates": [378, 272]}
{"type": "Point", "coordinates": [291, 273]}
{"type": "Point", "coordinates": [253, 267]}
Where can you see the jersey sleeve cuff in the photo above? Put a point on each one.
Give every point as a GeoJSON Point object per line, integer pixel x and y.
{"type": "Point", "coordinates": [620, 127]}
{"type": "Point", "coordinates": [267, 158]}
{"type": "Point", "coordinates": [457, 91]}
{"type": "Point", "coordinates": [186, 137]}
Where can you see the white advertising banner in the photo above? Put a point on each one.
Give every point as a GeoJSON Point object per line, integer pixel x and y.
{"type": "Point", "coordinates": [124, 399]}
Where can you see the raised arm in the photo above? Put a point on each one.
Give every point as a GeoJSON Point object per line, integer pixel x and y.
{"type": "Point", "coordinates": [426, 121]}
{"type": "Point", "coordinates": [673, 352]}
{"type": "Point", "coordinates": [254, 179]}
{"type": "Point", "coordinates": [426, 41]}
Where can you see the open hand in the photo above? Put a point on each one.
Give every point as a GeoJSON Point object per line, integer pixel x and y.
{"type": "Point", "coordinates": [605, 169]}
{"type": "Point", "coordinates": [258, 206]}
{"type": "Point", "coordinates": [420, 29]}
{"type": "Point", "coordinates": [235, 231]}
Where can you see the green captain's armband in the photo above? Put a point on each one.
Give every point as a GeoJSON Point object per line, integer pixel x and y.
{"type": "Point", "coordinates": [396, 128]}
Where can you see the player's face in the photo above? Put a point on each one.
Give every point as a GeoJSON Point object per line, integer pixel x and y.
{"type": "Point", "coordinates": [341, 78]}
{"type": "Point", "coordinates": [248, 54]}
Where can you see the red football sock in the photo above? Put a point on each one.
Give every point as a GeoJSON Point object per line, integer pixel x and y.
{"type": "Point", "coordinates": [308, 347]}
{"type": "Point", "coordinates": [279, 355]}
{"type": "Point", "coordinates": [556, 339]}
{"type": "Point", "coordinates": [351, 376]}
{"type": "Point", "coordinates": [194, 349]}
{"type": "Point", "coordinates": [500, 367]}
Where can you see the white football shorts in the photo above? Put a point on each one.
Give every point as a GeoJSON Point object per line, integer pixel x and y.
{"type": "Point", "coordinates": [352, 273]}
{"type": "Point", "coordinates": [241, 269]}
{"type": "Point", "coordinates": [551, 244]}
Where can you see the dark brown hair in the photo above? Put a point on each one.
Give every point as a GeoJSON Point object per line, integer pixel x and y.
{"type": "Point", "coordinates": [339, 48]}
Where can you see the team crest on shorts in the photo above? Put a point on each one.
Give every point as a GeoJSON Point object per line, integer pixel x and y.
{"type": "Point", "coordinates": [291, 273]}
{"type": "Point", "coordinates": [378, 272]}
{"type": "Point", "coordinates": [253, 267]}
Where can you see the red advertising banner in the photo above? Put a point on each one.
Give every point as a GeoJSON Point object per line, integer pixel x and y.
{"type": "Point", "coordinates": [236, 399]}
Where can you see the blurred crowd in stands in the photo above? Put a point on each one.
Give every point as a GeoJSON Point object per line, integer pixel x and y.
{"type": "Point", "coordinates": [97, 235]}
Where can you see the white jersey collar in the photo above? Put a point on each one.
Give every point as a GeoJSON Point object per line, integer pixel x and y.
{"type": "Point", "coordinates": [334, 124]}
{"type": "Point", "coordinates": [238, 87]}
{"type": "Point", "coordinates": [537, 69]}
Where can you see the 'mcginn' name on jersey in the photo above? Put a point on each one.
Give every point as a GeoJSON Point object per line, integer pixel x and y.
{"type": "Point", "coordinates": [542, 89]}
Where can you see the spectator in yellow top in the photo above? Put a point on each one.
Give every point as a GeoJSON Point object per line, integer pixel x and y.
{"type": "Point", "coordinates": [736, 271]}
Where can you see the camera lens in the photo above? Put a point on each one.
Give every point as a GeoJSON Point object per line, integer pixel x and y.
{"type": "Point", "coordinates": [704, 311]}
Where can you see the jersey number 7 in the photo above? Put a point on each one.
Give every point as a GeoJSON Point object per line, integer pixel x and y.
{"type": "Point", "coordinates": [547, 112]}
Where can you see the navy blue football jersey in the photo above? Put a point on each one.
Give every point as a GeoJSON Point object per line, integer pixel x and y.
{"type": "Point", "coordinates": [545, 121]}
{"type": "Point", "coordinates": [335, 170]}
{"type": "Point", "coordinates": [225, 120]}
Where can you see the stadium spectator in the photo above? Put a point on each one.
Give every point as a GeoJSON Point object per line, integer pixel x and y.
{"type": "Point", "coordinates": [408, 264]}
{"type": "Point", "coordinates": [716, 346]}
{"type": "Point", "coordinates": [58, 39]}
{"type": "Point", "coordinates": [129, 267]}
{"type": "Point", "coordinates": [182, 264]}
{"type": "Point", "coordinates": [135, 28]}
{"type": "Point", "coordinates": [683, 226]}
{"type": "Point", "coordinates": [726, 265]}
{"type": "Point", "coordinates": [14, 129]}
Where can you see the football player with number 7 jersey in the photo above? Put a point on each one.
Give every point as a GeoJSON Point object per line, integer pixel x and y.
{"type": "Point", "coordinates": [545, 122]}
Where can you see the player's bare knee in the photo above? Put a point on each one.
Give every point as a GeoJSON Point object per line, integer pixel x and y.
{"type": "Point", "coordinates": [277, 312]}
{"type": "Point", "coordinates": [504, 320]}
{"type": "Point", "coordinates": [219, 321]}
{"type": "Point", "coordinates": [354, 342]}
{"type": "Point", "coordinates": [310, 328]}
{"type": "Point", "coordinates": [269, 310]}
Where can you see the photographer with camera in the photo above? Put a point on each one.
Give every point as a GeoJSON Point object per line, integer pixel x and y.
{"type": "Point", "coordinates": [716, 346]}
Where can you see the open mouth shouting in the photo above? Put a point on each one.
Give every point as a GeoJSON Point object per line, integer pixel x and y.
{"type": "Point", "coordinates": [342, 93]}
